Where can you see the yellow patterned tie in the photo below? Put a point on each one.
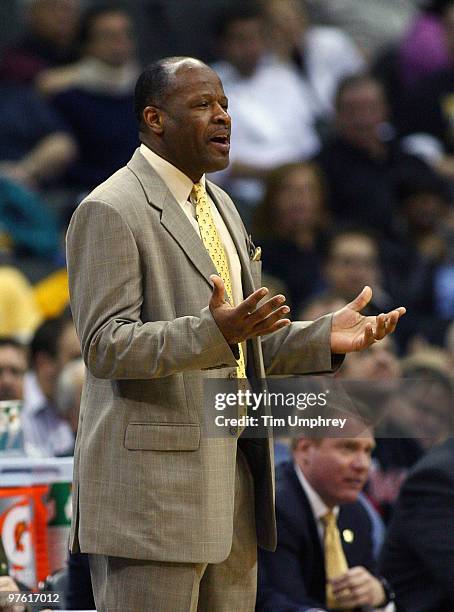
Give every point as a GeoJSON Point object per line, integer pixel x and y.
{"type": "Point", "coordinates": [212, 242]}
{"type": "Point", "coordinates": [335, 561]}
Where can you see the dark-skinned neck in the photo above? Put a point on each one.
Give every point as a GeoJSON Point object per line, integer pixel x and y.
{"type": "Point", "coordinates": [157, 148]}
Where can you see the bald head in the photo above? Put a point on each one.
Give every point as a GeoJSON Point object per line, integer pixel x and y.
{"type": "Point", "coordinates": [182, 110]}
{"type": "Point", "coordinates": [156, 80]}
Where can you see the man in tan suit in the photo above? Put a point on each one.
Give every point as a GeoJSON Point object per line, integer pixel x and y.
{"type": "Point", "coordinates": [171, 518]}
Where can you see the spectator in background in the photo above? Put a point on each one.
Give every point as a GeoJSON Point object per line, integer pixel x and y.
{"type": "Point", "coordinates": [418, 554]}
{"type": "Point", "coordinates": [422, 274]}
{"type": "Point", "coordinates": [352, 260]}
{"type": "Point", "coordinates": [95, 96]}
{"type": "Point", "coordinates": [35, 146]}
{"type": "Point", "coordinates": [290, 224]}
{"type": "Point", "coordinates": [396, 449]}
{"type": "Point", "coordinates": [427, 114]}
{"type": "Point", "coordinates": [321, 55]}
{"type": "Point", "coordinates": [363, 158]}
{"type": "Point", "coordinates": [323, 480]}
{"type": "Point", "coordinates": [13, 365]}
{"type": "Point", "coordinates": [48, 40]}
{"type": "Point", "coordinates": [264, 135]}
{"type": "Point", "coordinates": [54, 344]}
{"type": "Point", "coordinates": [69, 391]}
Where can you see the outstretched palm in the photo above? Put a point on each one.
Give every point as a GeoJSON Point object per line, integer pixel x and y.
{"type": "Point", "coordinates": [352, 331]}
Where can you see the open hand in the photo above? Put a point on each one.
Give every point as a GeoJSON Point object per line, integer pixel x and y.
{"type": "Point", "coordinates": [352, 331]}
{"type": "Point", "coordinates": [239, 323]}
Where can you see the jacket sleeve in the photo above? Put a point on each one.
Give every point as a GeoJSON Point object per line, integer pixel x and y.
{"type": "Point", "coordinates": [106, 288]}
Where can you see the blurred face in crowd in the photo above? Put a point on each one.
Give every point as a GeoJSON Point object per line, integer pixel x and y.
{"type": "Point", "coordinates": [299, 201]}
{"type": "Point", "coordinates": [361, 110]}
{"type": "Point", "coordinates": [337, 468]}
{"type": "Point", "coordinates": [111, 39]}
{"type": "Point", "coordinates": [192, 128]}
{"type": "Point", "coordinates": [55, 20]}
{"type": "Point", "coordinates": [68, 347]}
{"type": "Point", "coordinates": [423, 211]}
{"type": "Point", "coordinates": [243, 44]}
{"type": "Point", "coordinates": [13, 365]}
{"type": "Point", "coordinates": [287, 22]}
{"type": "Point", "coordinates": [352, 264]}
{"type": "Point", "coordinates": [379, 363]}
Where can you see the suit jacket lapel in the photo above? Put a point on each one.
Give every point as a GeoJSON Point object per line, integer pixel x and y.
{"type": "Point", "coordinates": [173, 218]}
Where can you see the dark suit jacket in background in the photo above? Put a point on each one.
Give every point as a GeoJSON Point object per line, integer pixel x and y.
{"type": "Point", "coordinates": [293, 578]}
{"type": "Point", "coordinates": [418, 554]}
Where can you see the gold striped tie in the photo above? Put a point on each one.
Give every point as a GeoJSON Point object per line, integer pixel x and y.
{"type": "Point", "coordinates": [212, 242]}
{"type": "Point", "coordinates": [335, 561]}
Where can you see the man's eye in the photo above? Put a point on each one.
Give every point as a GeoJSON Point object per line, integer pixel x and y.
{"type": "Point", "coordinates": [203, 104]}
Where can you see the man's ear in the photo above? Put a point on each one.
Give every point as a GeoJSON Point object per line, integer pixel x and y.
{"type": "Point", "coordinates": [153, 119]}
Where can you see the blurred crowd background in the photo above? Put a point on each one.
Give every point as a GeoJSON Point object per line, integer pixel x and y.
{"type": "Point", "coordinates": [342, 164]}
{"type": "Point", "coordinates": [342, 167]}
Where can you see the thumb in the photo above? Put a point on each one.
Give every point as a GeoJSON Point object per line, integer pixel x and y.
{"type": "Point", "coordinates": [361, 300]}
{"type": "Point", "coordinates": [217, 297]}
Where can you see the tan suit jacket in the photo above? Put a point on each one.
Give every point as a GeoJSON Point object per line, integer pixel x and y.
{"type": "Point", "coordinates": [147, 485]}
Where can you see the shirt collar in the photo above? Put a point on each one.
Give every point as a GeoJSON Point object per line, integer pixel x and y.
{"type": "Point", "coordinates": [179, 185]}
{"type": "Point", "coordinates": [319, 508]}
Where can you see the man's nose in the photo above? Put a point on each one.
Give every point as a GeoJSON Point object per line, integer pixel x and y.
{"type": "Point", "coordinates": [361, 461]}
{"type": "Point", "coordinates": [221, 115]}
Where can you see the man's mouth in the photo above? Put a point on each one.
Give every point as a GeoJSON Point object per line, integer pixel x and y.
{"type": "Point", "coordinates": [221, 142]}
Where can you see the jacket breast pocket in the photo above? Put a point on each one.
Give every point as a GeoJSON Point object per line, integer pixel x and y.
{"type": "Point", "coordinates": [256, 273]}
{"type": "Point", "coordinates": [162, 436]}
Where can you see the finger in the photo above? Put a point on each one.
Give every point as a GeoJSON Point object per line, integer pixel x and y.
{"type": "Point", "coordinates": [218, 295]}
{"type": "Point", "coordinates": [266, 309]}
{"type": "Point", "coordinates": [267, 322]}
{"type": "Point", "coordinates": [270, 329]}
{"type": "Point", "coordinates": [361, 300]}
{"type": "Point", "coordinates": [367, 339]}
{"type": "Point", "coordinates": [249, 304]}
{"type": "Point", "coordinates": [380, 327]}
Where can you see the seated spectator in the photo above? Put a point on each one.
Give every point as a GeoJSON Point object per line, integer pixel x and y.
{"type": "Point", "coordinates": [262, 136]}
{"type": "Point", "coordinates": [363, 159]}
{"type": "Point", "coordinates": [289, 226]}
{"type": "Point", "coordinates": [430, 394]}
{"type": "Point", "coordinates": [396, 449]}
{"type": "Point", "coordinates": [427, 114]}
{"type": "Point", "coordinates": [54, 344]}
{"type": "Point", "coordinates": [69, 391]}
{"type": "Point", "coordinates": [420, 275]}
{"type": "Point", "coordinates": [351, 262]}
{"type": "Point", "coordinates": [95, 96]}
{"type": "Point", "coordinates": [321, 55]}
{"type": "Point", "coordinates": [13, 365]}
{"type": "Point", "coordinates": [418, 554]}
{"type": "Point", "coordinates": [19, 314]}
{"type": "Point", "coordinates": [48, 40]}
{"type": "Point", "coordinates": [317, 504]}
{"type": "Point", "coordinates": [35, 147]}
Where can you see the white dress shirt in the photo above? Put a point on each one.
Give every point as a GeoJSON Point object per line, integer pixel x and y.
{"type": "Point", "coordinates": [180, 187]}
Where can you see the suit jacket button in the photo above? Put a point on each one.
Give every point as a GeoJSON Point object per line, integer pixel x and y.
{"type": "Point", "coordinates": [233, 431]}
